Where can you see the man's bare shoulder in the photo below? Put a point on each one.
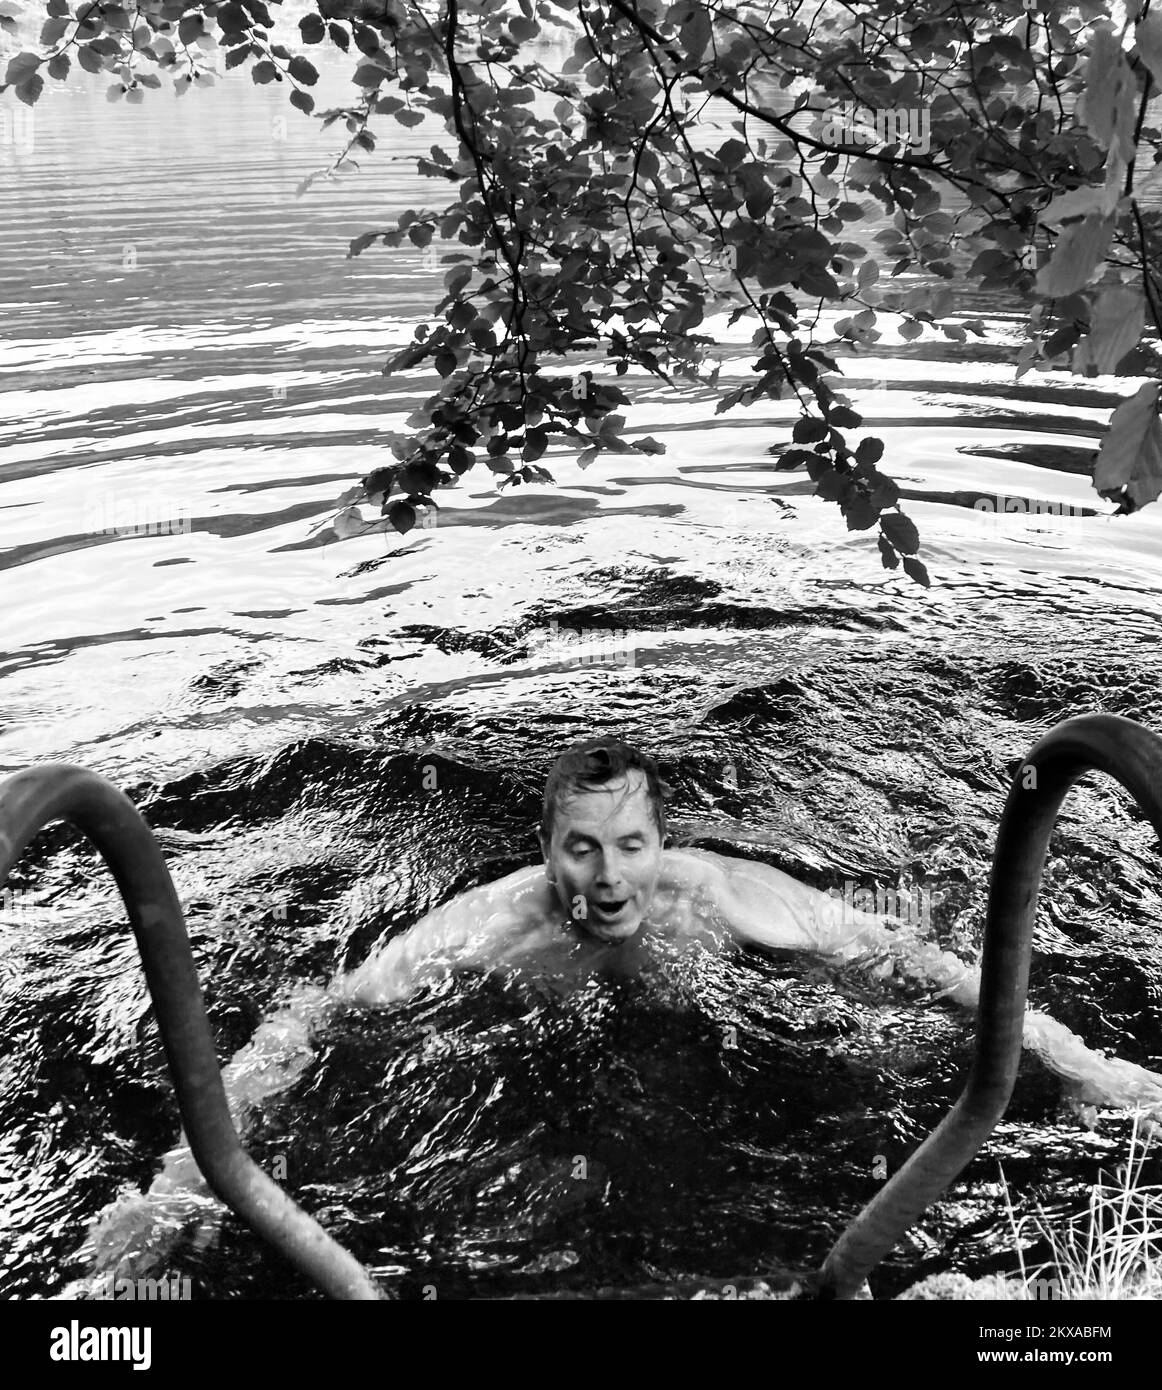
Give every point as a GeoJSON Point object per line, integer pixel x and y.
{"type": "Point", "coordinates": [524, 890]}
{"type": "Point", "coordinates": [516, 905]}
{"type": "Point", "coordinates": [475, 928]}
{"type": "Point", "coordinates": [687, 870]}
{"type": "Point", "coordinates": [759, 902]}
{"type": "Point", "coordinates": [707, 866]}
{"type": "Point", "coordinates": [707, 869]}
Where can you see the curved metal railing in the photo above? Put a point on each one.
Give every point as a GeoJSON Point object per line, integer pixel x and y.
{"type": "Point", "coordinates": [59, 791]}
{"type": "Point", "coordinates": [1102, 742]}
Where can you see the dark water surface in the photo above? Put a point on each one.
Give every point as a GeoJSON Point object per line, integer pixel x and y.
{"type": "Point", "coordinates": [276, 706]}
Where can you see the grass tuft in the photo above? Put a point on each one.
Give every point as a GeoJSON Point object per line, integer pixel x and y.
{"type": "Point", "coordinates": [1113, 1250]}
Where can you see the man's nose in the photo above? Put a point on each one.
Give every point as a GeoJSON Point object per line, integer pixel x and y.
{"type": "Point", "coordinates": [610, 872]}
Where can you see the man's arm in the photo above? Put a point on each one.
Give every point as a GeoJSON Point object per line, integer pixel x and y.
{"type": "Point", "coordinates": [766, 906]}
{"type": "Point", "coordinates": [464, 932]}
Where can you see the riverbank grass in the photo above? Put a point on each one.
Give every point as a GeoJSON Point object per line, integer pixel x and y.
{"type": "Point", "coordinates": [1113, 1250]}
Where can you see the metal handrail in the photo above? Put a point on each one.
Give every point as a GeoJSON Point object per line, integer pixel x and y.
{"type": "Point", "coordinates": [1101, 742]}
{"type": "Point", "coordinates": [59, 791]}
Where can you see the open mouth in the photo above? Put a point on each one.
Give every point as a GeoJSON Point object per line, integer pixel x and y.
{"type": "Point", "coordinates": [611, 909]}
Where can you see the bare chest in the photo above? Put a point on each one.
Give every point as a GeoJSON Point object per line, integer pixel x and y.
{"type": "Point", "coordinates": [689, 911]}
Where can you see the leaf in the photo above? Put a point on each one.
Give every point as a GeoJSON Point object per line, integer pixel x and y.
{"type": "Point", "coordinates": [366, 40]}
{"type": "Point", "coordinates": [263, 72]}
{"type": "Point", "coordinates": [21, 67]}
{"type": "Point", "coordinates": [349, 522]}
{"type": "Point", "coordinates": [232, 18]}
{"type": "Point", "coordinates": [313, 29]}
{"type": "Point", "coordinates": [831, 485]}
{"type": "Point", "coordinates": [419, 477]}
{"type": "Point", "coordinates": [731, 399]}
{"type": "Point", "coordinates": [696, 34]}
{"type": "Point", "coordinates": [258, 9]}
{"type": "Point", "coordinates": [58, 66]}
{"type": "Point", "coordinates": [1115, 327]}
{"type": "Point", "coordinates": [379, 480]}
{"type": "Point", "coordinates": [869, 273]}
{"type": "Point", "coordinates": [807, 430]}
{"type": "Point", "coordinates": [30, 89]}
{"type": "Point", "coordinates": [915, 569]}
{"type": "Point", "coordinates": [901, 531]}
{"type": "Point", "coordinates": [732, 153]}
{"type": "Point", "coordinates": [303, 100]}
{"type": "Point", "coordinates": [859, 511]}
{"type": "Point", "coordinates": [53, 30]}
{"type": "Point", "coordinates": [536, 442]}
{"type": "Point", "coordinates": [303, 71]}
{"type": "Point", "coordinates": [817, 281]}
{"type": "Point", "coordinates": [368, 75]}
{"type": "Point", "coordinates": [1149, 36]}
{"type": "Point", "coordinates": [1080, 249]}
{"type": "Point", "coordinates": [1078, 202]}
{"type": "Point", "coordinates": [869, 450]}
{"type": "Point", "coordinates": [408, 116]}
{"type": "Point", "coordinates": [807, 244]}
{"type": "Point", "coordinates": [881, 489]}
{"type": "Point", "coordinates": [457, 278]}
{"type": "Point", "coordinates": [1110, 90]}
{"type": "Point", "coordinates": [402, 516]}
{"type": "Point", "coordinates": [888, 554]}
{"type": "Point", "coordinates": [792, 458]}
{"type": "Point", "coordinates": [1058, 342]}
{"type": "Point", "coordinates": [1130, 456]}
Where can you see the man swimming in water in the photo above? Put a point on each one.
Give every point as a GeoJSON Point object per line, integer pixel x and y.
{"type": "Point", "coordinates": [608, 888]}
{"type": "Point", "coordinates": [607, 893]}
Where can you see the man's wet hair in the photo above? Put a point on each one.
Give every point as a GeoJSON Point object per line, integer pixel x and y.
{"type": "Point", "coordinates": [590, 765]}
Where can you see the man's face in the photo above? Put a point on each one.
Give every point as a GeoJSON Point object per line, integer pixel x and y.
{"type": "Point", "coordinates": [605, 855]}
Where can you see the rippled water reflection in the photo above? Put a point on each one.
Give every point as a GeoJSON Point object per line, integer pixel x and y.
{"type": "Point", "coordinates": [273, 704]}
